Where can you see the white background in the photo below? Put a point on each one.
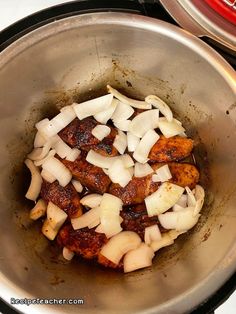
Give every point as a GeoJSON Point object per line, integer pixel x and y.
{"type": "Point", "coordinates": [13, 10]}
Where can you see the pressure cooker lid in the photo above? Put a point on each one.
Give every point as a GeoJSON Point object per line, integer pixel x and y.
{"type": "Point", "coordinates": [215, 19]}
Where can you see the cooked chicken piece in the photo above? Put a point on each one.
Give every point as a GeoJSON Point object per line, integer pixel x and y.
{"type": "Point", "coordinates": [136, 219]}
{"type": "Point", "coordinates": [64, 197]}
{"type": "Point", "coordinates": [84, 242]}
{"type": "Point", "coordinates": [79, 134]}
{"type": "Point", "coordinates": [171, 149]}
{"type": "Point", "coordinates": [137, 189]}
{"type": "Point", "coordinates": [89, 175]}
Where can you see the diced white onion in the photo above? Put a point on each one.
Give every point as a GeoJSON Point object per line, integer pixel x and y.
{"type": "Point", "coordinates": [182, 220]}
{"type": "Point", "coordinates": [120, 142]}
{"type": "Point", "coordinates": [69, 112]}
{"type": "Point", "coordinates": [123, 112]}
{"type": "Point", "coordinates": [39, 140]}
{"type": "Point", "coordinates": [165, 240]}
{"type": "Point", "coordinates": [47, 176]}
{"type": "Point", "coordinates": [91, 200]}
{"type": "Point", "coordinates": [39, 210]}
{"type": "Point", "coordinates": [138, 258]}
{"type": "Point", "coordinates": [170, 129]}
{"type": "Point", "coordinates": [58, 170]}
{"type": "Point", "coordinates": [109, 215]}
{"type": "Point", "coordinates": [51, 153]}
{"type": "Point", "coordinates": [162, 174]}
{"type": "Point", "coordinates": [86, 219]}
{"type": "Point", "coordinates": [199, 196]}
{"type": "Point", "coordinates": [56, 216]}
{"type": "Point", "coordinates": [93, 106]}
{"type": "Point", "coordinates": [119, 174]}
{"type": "Point", "coordinates": [119, 245]}
{"type": "Point", "coordinates": [177, 208]}
{"type": "Point", "coordinates": [191, 201]}
{"type": "Point", "coordinates": [105, 115]}
{"type": "Point", "coordinates": [77, 185]}
{"type": "Point", "coordinates": [128, 101]}
{"type": "Point", "coordinates": [73, 155]}
{"type": "Point", "coordinates": [151, 234]}
{"type": "Point", "coordinates": [61, 148]}
{"type": "Point", "coordinates": [122, 125]}
{"type": "Point", "coordinates": [182, 201]}
{"type": "Point", "coordinates": [101, 131]}
{"type": "Point", "coordinates": [143, 122]}
{"type": "Point", "coordinates": [145, 145]}
{"type": "Point", "coordinates": [67, 254]}
{"type": "Point", "coordinates": [40, 153]}
{"type": "Point", "coordinates": [36, 181]}
{"type": "Point", "coordinates": [163, 199]}
{"type": "Point", "coordinates": [48, 230]}
{"type": "Point", "coordinates": [105, 171]}
{"type": "Point", "coordinates": [94, 224]}
{"type": "Point", "coordinates": [142, 170]}
{"type": "Point", "coordinates": [106, 162]}
{"type": "Point", "coordinates": [161, 105]}
{"type": "Point", "coordinates": [132, 141]}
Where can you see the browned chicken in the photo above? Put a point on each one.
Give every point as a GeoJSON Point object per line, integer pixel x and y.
{"type": "Point", "coordinates": [137, 189]}
{"type": "Point", "coordinates": [66, 198]}
{"type": "Point", "coordinates": [79, 134]}
{"type": "Point", "coordinates": [171, 149]}
{"type": "Point", "coordinates": [89, 175]}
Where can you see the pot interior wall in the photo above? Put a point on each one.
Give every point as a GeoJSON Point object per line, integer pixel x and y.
{"type": "Point", "coordinates": [71, 60]}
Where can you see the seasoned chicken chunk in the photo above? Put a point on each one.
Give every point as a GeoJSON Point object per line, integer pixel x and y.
{"type": "Point", "coordinates": [138, 189]}
{"type": "Point", "coordinates": [64, 197]}
{"type": "Point", "coordinates": [79, 134]}
{"type": "Point", "coordinates": [171, 149]}
{"type": "Point", "coordinates": [89, 175]}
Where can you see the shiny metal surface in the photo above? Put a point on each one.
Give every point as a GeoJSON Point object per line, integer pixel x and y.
{"type": "Point", "coordinates": [198, 18]}
{"type": "Point", "coordinates": [74, 58]}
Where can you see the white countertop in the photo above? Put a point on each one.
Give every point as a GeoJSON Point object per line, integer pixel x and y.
{"type": "Point", "coordinates": [13, 10]}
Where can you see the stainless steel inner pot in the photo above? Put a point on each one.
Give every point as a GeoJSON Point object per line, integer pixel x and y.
{"type": "Point", "coordinates": [73, 59]}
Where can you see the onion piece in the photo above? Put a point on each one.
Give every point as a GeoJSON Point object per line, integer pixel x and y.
{"type": "Point", "coordinates": [177, 208]}
{"type": "Point", "coordinates": [67, 254]}
{"type": "Point", "coordinates": [40, 153]}
{"type": "Point", "coordinates": [138, 258]}
{"type": "Point", "coordinates": [93, 106]}
{"type": "Point", "coordinates": [122, 125]}
{"type": "Point", "coordinates": [51, 153]}
{"type": "Point", "coordinates": [106, 162]}
{"type": "Point", "coordinates": [127, 160]}
{"type": "Point", "coordinates": [58, 170]}
{"type": "Point", "coordinates": [106, 115]}
{"type": "Point", "coordinates": [199, 196]}
{"type": "Point", "coordinates": [182, 220]}
{"type": "Point", "coordinates": [48, 231]}
{"type": "Point", "coordinates": [86, 219]}
{"type": "Point", "coordinates": [182, 201]}
{"type": "Point", "coordinates": [47, 176]}
{"type": "Point", "coordinates": [123, 112]}
{"type": "Point", "coordinates": [109, 215]}
{"type": "Point", "coordinates": [91, 200]}
{"type": "Point", "coordinates": [73, 155]}
{"type": "Point", "coordinates": [170, 129]}
{"type": "Point", "coordinates": [77, 185]}
{"type": "Point", "coordinates": [120, 142]}
{"type": "Point", "coordinates": [101, 131]}
{"type": "Point", "coordinates": [142, 170]}
{"type": "Point", "coordinates": [39, 140]}
{"type": "Point", "coordinates": [165, 240]}
{"type": "Point", "coordinates": [36, 181]}
{"type": "Point", "coordinates": [94, 224]}
{"type": "Point", "coordinates": [119, 174]}
{"type": "Point", "coordinates": [69, 112]}
{"type": "Point", "coordinates": [191, 201]}
{"type": "Point", "coordinates": [163, 199]}
{"type": "Point", "coordinates": [61, 148]}
{"type": "Point", "coordinates": [39, 210]}
{"type": "Point", "coordinates": [151, 234]}
{"type": "Point", "coordinates": [119, 245]}
{"type": "Point", "coordinates": [132, 141]}
{"type": "Point", "coordinates": [161, 105]}
{"type": "Point", "coordinates": [143, 122]}
{"type": "Point", "coordinates": [56, 216]}
{"type": "Point", "coordinates": [128, 101]}
{"type": "Point", "coordinates": [145, 145]}
{"type": "Point", "coordinates": [162, 174]}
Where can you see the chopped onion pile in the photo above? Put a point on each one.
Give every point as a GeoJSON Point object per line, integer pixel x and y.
{"type": "Point", "coordinates": [178, 209]}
